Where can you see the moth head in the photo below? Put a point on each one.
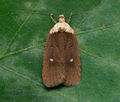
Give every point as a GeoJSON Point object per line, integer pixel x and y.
{"type": "Point", "coordinates": [61, 18]}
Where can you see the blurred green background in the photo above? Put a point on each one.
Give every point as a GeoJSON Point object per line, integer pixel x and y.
{"type": "Point", "coordinates": [24, 26]}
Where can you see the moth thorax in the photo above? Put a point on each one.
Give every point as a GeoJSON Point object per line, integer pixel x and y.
{"type": "Point", "coordinates": [61, 18]}
{"type": "Point", "coordinates": [61, 29]}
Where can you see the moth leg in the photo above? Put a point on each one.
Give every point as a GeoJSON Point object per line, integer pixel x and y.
{"type": "Point", "coordinates": [51, 16]}
{"type": "Point", "coordinates": [70, 18]}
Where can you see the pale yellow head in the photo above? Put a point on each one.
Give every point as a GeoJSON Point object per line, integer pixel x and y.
{"type": "Point", "coordinates": [61, 18]}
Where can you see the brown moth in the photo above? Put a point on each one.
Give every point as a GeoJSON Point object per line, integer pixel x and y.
{"type": "Point", "coordinates": [61, 63]}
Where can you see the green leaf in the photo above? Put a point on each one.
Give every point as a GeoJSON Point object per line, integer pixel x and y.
{"type": "Point", "coordinates": [24, 26]}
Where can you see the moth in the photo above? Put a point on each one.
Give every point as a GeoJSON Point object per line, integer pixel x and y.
{"type": "Point", "coordinates": [61, 62]}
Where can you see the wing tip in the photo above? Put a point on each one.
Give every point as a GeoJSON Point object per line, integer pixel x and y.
{"type": "Point", "coordinates": [50, 84]}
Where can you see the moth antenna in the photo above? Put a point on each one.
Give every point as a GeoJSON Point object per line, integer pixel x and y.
{"type": "Point", "coordinates": [51, 16]}
{"type": "Point", "coordinates": [70, 17]}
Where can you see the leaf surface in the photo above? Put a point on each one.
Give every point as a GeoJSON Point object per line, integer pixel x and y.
{"type": "Point", "coordinates": [24, 26]}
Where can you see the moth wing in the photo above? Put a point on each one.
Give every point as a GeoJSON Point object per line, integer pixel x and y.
{"type": "Point", "coordinates": [53, 72]}
{"type": "Point", "coordinates": [72, 61]}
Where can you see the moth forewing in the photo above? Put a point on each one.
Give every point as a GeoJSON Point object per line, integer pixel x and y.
{"type": "Point", "coordinates": [72, 63]}
{"type": "Point", "coordinates": [53, 69]}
